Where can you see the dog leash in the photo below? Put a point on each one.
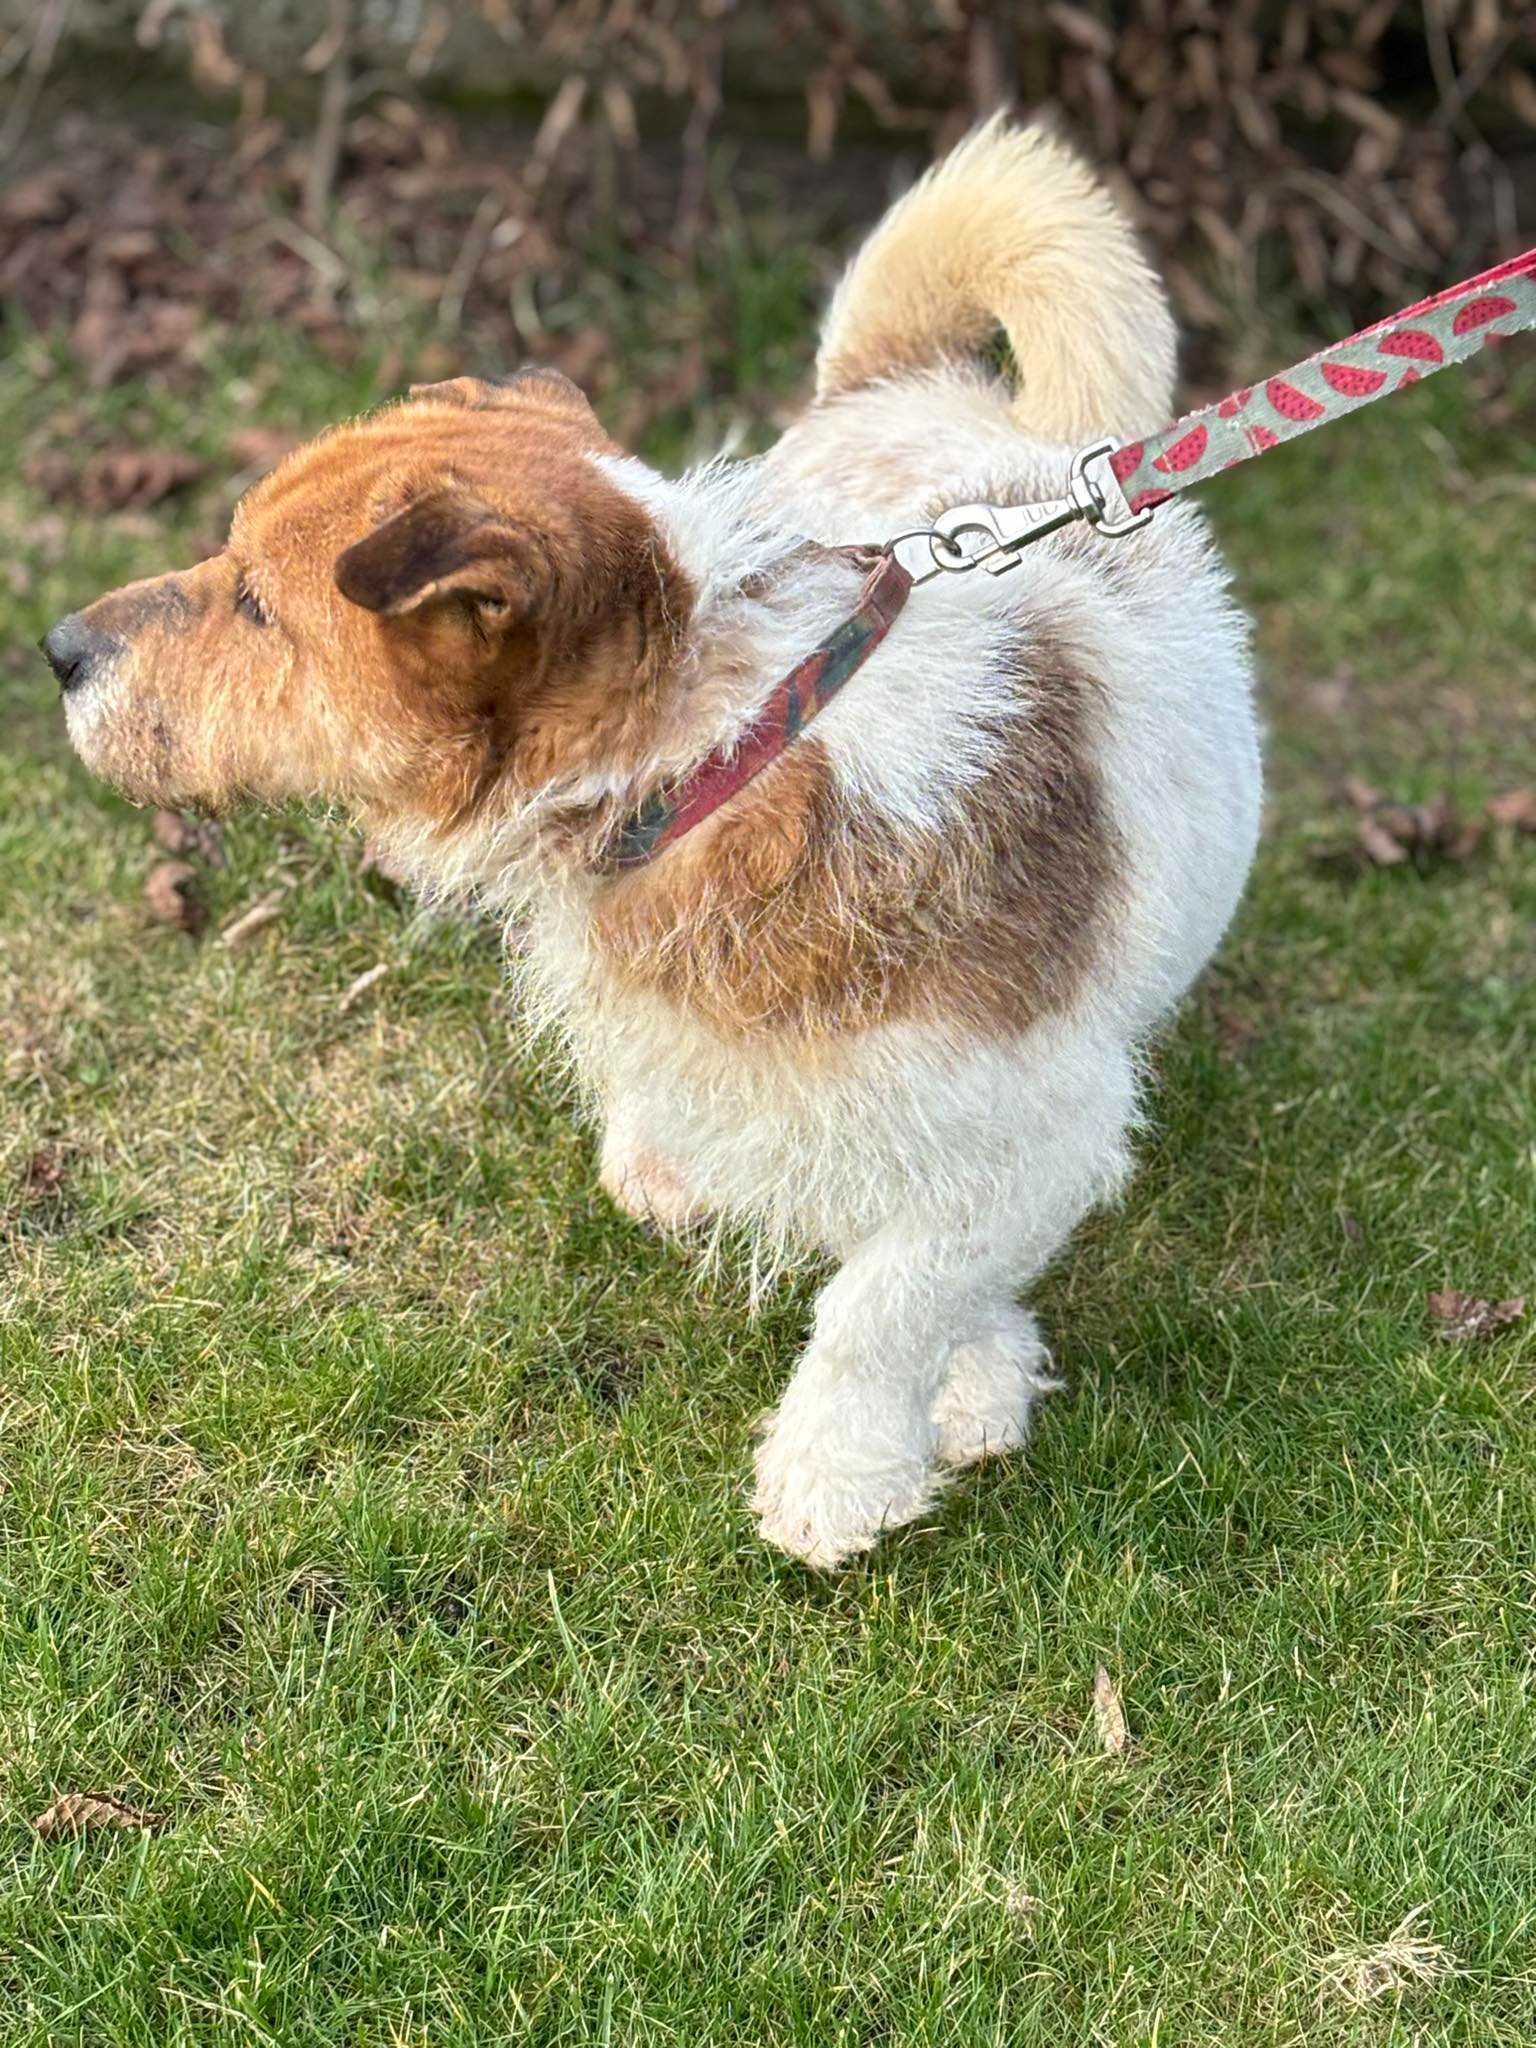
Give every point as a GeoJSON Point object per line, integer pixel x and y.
{"type": "Point", "coordinates": [1115, 486]}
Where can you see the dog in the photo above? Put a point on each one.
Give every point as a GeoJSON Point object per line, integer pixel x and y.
{"type": "Point", "coordinates": [889, 1003]}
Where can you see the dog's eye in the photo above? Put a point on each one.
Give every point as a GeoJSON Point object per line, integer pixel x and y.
{"type": "Point", "coordinates": [250, 606]}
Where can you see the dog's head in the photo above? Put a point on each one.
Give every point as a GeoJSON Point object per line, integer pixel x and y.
{"type": "Point", "coordinates": [449, 597]}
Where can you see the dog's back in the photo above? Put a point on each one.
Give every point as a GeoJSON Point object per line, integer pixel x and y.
{"type": "Point", "coordinates": [1012, 235]}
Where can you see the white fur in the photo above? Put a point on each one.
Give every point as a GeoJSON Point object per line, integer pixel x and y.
{"type": "Point", "coordinates": [96, 708]}
{"type": "Point", "coordinates": [1012, 229]}
{"type": "Point", "coordinates": [941, 1171]}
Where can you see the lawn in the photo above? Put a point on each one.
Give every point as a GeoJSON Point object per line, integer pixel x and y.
{"type": "Point", "coordinates": [372, 1503]}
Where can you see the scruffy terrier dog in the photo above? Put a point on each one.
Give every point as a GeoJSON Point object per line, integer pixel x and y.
{"type": "Point", "coordinates": [886, 1002]}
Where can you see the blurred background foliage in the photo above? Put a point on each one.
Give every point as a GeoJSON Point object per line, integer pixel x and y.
{"type": "Point", "coordinates": [171, 163]}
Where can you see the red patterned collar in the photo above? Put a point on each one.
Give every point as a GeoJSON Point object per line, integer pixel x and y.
{"type": "Point", "coordinates": [807, 689]}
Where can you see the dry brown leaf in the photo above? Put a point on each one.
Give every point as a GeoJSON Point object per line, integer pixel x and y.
{"type": "Point", "coordinates": [112, 341]}
{"type": "Point", "coordinates": [43, 1175]}
{"type": "Point", "coordinates": [1360, 794]}
{"type": "Point", "coordinates": [115, 479]}
{"type": "Point", "coordinates": [184, 836]}
{"type": "Point", "coordinates": [1383, 849]}
{"type": "Point", "coordinates": [78, 1813]}
{"type": "Point", "coordinates": [1517, 808]}
{"type": "Point", "coordinates": [1389, 835]}
{"type": "Point", "coordinates": [198, 838]}
{"type": "Point", "coordinates": [1520, 91]}
{"type": "Point", "coordinates": [1462, 1317]}
{"type": "Point", "coordinates": [45, 196]}
{"type": "Point", "coordinates": [174, 832]}
{"type": "Point", "coordinates": [1083, 29]}
{"type": "Point", "coordinates": [262, 448]}
{"type": "Point", "coordinates": [1109, 1715]}
{"type": "Point", "coordinates": [213, 67]}
{"type": "Point", "coordinates": [171, 892]}
{"type": "Point", "coordinates": [1236, 1030]}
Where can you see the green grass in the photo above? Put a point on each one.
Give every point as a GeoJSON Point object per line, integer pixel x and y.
{"type": "Point", "coordinates": [371, 1496]}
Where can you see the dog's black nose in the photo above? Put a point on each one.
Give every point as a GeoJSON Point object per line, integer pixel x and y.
{"type": "Point", "coordinates": [71, 647]}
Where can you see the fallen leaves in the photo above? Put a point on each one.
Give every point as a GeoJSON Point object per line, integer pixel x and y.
{"type": "Point", "coordinates": [257, 449]}
{"type": "Point", "coordinates": [42, 1178]}
{"type": "Point", "coordinates": [1464, 1318]}
{"type": "Point", "coordinates": [113, 479]}
{"type": "Point", "coordinates": [1517, 809]}
{"type": "Point", "coordinates": [174, 888]}
{"type": "Point", "coordinates": [79, 1813]}
{"type": "Point", "coordinates": [1236, 1031]}
{"type": "Point", "coordinates": [132, 246]}
{"type": "Point", "coordinates": [199, 838]}
{"type": "Point", "coordinates": [1421, 835]}
{"type": "Point", "coordinates": [1109, 1715]}
{"type": "Point", "coordinates": [1387, 834]}
{"type": "Point", "coordinates": [174, 897]}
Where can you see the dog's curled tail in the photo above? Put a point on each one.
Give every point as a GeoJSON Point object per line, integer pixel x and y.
{"type": "Point", "coordinates": [1010, 230]}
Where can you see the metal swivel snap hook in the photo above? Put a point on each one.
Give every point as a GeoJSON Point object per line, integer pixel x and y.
{"type": "Point", "coordinates": [991, 537]}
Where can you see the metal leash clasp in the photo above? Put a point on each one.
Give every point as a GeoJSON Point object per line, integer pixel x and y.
{"type": "Point", "coordinates": [991, 537]}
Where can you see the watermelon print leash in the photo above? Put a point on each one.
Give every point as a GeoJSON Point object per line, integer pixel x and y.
{"type": "Point", "coordinates": [1445, 329]}
{"type": "Point", "coordinates": [1116, 488]}
{"type": "Point", "coordinates": [808, 687]}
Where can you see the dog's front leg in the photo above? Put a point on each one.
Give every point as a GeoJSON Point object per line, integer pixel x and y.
{"type": "Point", "coordinates": [854, 1447]}
{"type": "Point", "coordinates": [645, 1180]}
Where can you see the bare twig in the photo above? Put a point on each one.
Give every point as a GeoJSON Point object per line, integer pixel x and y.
{"type": "Point", "coordinates": [989, 59]}
{"type": "Point", "coordinates": [560, 117]}
{"type": "Point", "coordinates": [359, 988]}
{"type": "Point", "coordinates": [477, 239]}
{"type": "Point", "coordinates": [1333, 201]}
{"type": "Point", "coordinates": [326, 264]}
{"type": "Point", "coordinates": [1456, 89]}
{"type": "Point", "coordinates": [693, 188]}
{"type": "Point", "coordinates": [50, 25]}
{"type": "Point", "coordinates": [264, 911]}
{"type": "Point", "coordinates": [333, 55]}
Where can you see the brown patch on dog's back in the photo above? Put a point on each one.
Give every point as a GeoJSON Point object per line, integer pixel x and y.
{"type": "Point", "coordinates": [797, 909]}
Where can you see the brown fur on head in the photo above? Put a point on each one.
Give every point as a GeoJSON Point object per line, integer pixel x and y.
{"type": "Point", "coordinates": [446, 599]}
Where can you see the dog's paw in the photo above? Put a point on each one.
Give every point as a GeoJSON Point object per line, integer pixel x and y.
{"type": "Point", "coordinates": [652, 1190]}
{"type": "Point", "coordinates": [824, 1499]}
{"type": "Point", "coordinates": [984, 1409]}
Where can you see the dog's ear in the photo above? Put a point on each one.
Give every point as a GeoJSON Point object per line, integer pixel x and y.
{"type": "Point", "coordinates": [443, 544]}
{"type": "Point", "coordinates": [534, 385]}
